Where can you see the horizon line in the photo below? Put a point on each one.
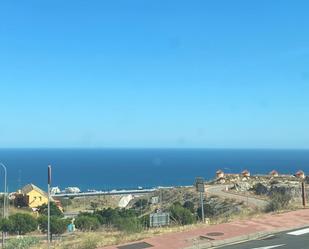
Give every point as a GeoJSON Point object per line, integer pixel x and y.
{"type": "Point", "coordinates": [148, 148]}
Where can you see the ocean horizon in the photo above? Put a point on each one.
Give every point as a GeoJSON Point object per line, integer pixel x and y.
{"type": "Point", "coordinates": [107, 169]}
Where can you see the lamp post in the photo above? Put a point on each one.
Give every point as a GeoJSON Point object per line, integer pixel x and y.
{"type": "Point", "coordinates": [48, 210]}
{"type": "Point", "coordinates": [4, 199]}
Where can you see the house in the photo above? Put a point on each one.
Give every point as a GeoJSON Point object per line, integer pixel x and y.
{"type": "Point", "coordinates": [219, 174]}
{"type": "Point", "coordinates": [30, 196]}
{"type": "Point", "coordinates": [274, 173]}
{"type": "Point", "coordinates": [245, 173]}
{"type": "Point", "coordinates": [300, 174]}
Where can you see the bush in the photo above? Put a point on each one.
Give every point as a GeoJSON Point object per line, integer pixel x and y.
{"type": "Point", "coordinates": [260, 189]}
{"type": "Point", "coordinates": [181, 215]}
{"type": "Point", "coordinates": [190, 206]}
{"type": "Point", "coordinates": [23, 223]}
{"type": "Point", "coordinates": [278, 201]}
{"type": "Point", "coordinates": [141, 204]}
{"type": "Point", "coordinates": [129, 224]}
{"type": "Point", "coordinates": [57, 225]}
{"type": "Point", "coordinates": [21, 243]}
{"type": "Point", "coordinates": [6, 225]}
{"type": "Point", "coordinates": [209, 211]}
{"type": "Point", "coordinates": [54, 210]}
{"type": "Point", "coordinates": [111, 216]}
{"type": "Point", "coordinates": [87, 223]}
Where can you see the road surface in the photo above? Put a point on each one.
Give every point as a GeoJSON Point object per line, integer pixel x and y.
{"type": "Point", "coordinates": [219, 190]}
{"type": "Point", "coordinates": [295, 239]}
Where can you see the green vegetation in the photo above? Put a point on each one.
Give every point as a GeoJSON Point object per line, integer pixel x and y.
{"type": "Point", "coordinates": [22, 223]}
{"type": "Point", "coordinates": [5, 225]}
{"type": "Point", "coordinates": [260, 189]}
{"type": "Point", "coordinates": [141, 204]}
{"type": "Point", "coordinates": [190, 206]}
{"type": "Point", "coordinates": [21, 243]}
{"type": "Point", "coordinates": [57, 225]}
{"type": "Point", "coordinates": [54, 210]}
{"type": "Point", "coordinates": [87, 223]}
{"type": "Point", "coordinates": [181, 215]}
{"type": "Point", "coordinates": [90, 242]}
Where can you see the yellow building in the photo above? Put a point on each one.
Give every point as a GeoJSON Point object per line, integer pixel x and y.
{"type": "Point", "coordinates": [31, 196]}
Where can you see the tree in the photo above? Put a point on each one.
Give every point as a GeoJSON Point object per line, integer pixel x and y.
{"type": "Point", "coordinates": [23, 223]}
{"type": "Point", "coordinates": [87, 223]}
{"type": "Point", "coordinates": [57, 225]}
{"type": "Point", "coordinates": [54, 210]}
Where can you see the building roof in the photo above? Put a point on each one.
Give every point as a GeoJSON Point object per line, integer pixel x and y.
{"type": "Point", "coordinates": [219, 171]}
{"type": "Point", "coordinates": [29, 187]}
{"type": "Point", "coordinates": [300, 172]}
{"type": "Point", "coordinates": [273, 172]}
{"type": "Point", "coordinates": [245, 171]}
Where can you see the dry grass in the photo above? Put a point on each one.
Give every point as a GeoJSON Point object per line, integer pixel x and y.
{"type": "Point", "coordinates": [106, 237]}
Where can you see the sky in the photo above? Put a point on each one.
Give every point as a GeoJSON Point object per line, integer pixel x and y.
{"type": "Point", "coordinates": [156, 73]}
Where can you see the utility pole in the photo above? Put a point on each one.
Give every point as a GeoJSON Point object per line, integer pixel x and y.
{"type": "Point", "coordinates": [200, 187]}
{"type": "Point", "coordinates": [48, 205]}
{"type": "Point", "coordinates": [4, 200]}
{"type": "Point", "coordinates": [202, 206]}
{"type": "Point", "coordinates": [303, 191]}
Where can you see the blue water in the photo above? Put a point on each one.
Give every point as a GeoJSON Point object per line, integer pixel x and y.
{"type": "Point", "coordinates": [106, 169]}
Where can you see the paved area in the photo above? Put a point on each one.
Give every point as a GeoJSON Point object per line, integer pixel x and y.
{"type": "Point", "coordinates": [296, 239]}
{"type": "Point", "coordinates": [219, 190]}
{"type": "Point", "coordinates": [196, 237]}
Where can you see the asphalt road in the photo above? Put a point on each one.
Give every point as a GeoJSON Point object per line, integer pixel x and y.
{"type": "Point", "coordinates": [295, 239]}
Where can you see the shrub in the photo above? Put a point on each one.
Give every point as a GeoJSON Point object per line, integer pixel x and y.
{"type": "Point", "coordinates": [6, 225]}
{"type": "Point", "coordinates": [23, 223]}
{"type": "Point", "coordinates": [181, 215]}
{"type": "Point", "coordinates": [129, 224]}
{"type": "Point", "coordinates": [54, 210]}
{"type": "Point", "coordinates": [87, 223]}
{"type": "Point", "coordinates": [209, 211]}
{"type": "Point", "coordinates": [111, 216]}
{"type": "Point", "coordinates": [278, 201]}
{"type": "Point", "coordinates": [190, 206]}
{"type": "Point", "coordinates": [141, 204]}
{"type": "Point", "coordinates": [21, 243]}
{"type": "Point", "coordinates": [57, 225]}
{"type": "Point", "coordinates": [260, 189]}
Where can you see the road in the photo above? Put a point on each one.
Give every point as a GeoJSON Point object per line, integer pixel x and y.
{"type": "Point", "coordinates": [113, 192]}
{"type": "Point", "coordinates": [219, 191]}
{"type": "Point", "coordinates": [296, 239]}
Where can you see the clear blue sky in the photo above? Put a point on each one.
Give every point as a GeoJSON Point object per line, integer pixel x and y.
{"type": "Point", "coordinates": [215, 74]}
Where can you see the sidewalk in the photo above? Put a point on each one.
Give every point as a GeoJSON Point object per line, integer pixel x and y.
{"type": "Point", "coordinates": [228, 231]}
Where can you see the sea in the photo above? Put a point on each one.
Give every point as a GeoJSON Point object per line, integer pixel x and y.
{"type": "Point", "coordinates": [108, 169]}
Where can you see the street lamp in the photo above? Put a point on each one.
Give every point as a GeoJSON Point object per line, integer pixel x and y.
{"type": "Point", "coordinates": [4, 199]}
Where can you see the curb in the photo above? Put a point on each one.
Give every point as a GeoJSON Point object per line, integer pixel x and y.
{"type": "Point", "coordinates": [240, 239]}
{"type": "Point", "coordinates": [233, 240]}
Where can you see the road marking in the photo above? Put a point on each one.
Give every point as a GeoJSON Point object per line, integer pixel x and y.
{"type": "Point", "coordinates": [299, 232]}
{"type": "Point", "coordinates": [269, 247]}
